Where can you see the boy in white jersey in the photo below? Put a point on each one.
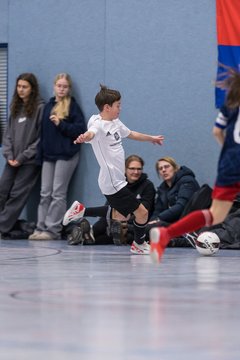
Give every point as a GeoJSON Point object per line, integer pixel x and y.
{"type": "Point", "coordinates": [105, 134]}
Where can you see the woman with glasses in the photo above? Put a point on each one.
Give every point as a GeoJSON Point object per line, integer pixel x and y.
{"type": "Point", "coordinates": [112, 227]}
{"type": "Point", "coordinates": [178, 186]}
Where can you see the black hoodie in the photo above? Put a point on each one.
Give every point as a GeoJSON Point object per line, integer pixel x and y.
{"type": "Point", "coordinates": [144, 190]}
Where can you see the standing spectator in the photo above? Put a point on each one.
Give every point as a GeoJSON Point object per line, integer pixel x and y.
{"type": "Point", "coordinates": [62, 122]}
{"type": "Point", "coordinates": [19, 145]}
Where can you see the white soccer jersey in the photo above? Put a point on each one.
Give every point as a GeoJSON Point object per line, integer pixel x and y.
{"type": "Point", "coordinates": [108, 149]}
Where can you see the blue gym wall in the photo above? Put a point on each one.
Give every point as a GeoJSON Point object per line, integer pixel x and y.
{"type": "Point", "coordinates": [160, 54]}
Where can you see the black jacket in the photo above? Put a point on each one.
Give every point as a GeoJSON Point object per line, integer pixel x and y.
{"type": "Point", "coordinates": [144, 190]}
{"type": "Point", "coordinates": [171, 201]}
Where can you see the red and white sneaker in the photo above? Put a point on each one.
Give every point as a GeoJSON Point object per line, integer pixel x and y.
{"type": "Point", "coordinates": [158, 239]}
{"type": "Point", "coordinates": [75, 212]}
{"type": "Point", "coordinates": [140, 249]}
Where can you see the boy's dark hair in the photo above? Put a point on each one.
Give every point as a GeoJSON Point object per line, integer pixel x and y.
{"type": "Point", "coordinates": [106, 96]}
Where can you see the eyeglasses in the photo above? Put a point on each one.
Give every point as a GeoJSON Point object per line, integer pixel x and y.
{"type": "Point", "coordinates": [134, 169]}
{"type": "Point", "coordinates": [164, 167]}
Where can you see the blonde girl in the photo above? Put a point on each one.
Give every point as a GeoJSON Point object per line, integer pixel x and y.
{"type": "Point", "coordinates": [62, 122]}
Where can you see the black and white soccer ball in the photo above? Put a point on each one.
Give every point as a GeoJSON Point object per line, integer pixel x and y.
{"type": "Point", "coordinates": [207, 243]}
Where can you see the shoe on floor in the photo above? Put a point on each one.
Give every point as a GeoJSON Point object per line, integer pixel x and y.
{"type": "Point", "coordinates": [75, 237]}
{"type": "Point", "coordinates": [42, 235]}
{"type": "Point", "coordinates": [159, 239]}
{"type": "Point", "coordinates": [117, 232]}
{"type": "Point", "coordinates": [87, 232]}
{"type": "Point", "coordinates": [34, 235]}
{"type": "Point", "coordinates": [81, 234]}
{"type": "Point", "coordinates": [74, 213]}
{"type": "Point", "coordinates": [191, 237]}
{"type": "Point", "coordinates": [140, 249]}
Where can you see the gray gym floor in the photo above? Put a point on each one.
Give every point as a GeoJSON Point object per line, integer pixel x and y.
{"type": "Point", "coordinates": [101, 303]}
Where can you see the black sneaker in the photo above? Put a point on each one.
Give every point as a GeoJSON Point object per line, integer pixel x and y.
{"type": "Point", "coordinates": [191, 237]}
{"type": "Point", "coordinates": [75, 237]}
{"type": "Point", "coordinates": [118, 233]}
{"type": "Point", "coordinates": [87, 233]}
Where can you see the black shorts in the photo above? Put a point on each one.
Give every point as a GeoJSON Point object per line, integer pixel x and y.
{"type": "Point", "coordinates": [124, 201]}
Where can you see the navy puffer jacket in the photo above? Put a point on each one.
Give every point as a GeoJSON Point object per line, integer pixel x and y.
{"type": "Point", "coordinates": [171, 201]}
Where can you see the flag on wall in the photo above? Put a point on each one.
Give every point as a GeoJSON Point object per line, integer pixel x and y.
{"type": "Point", "coordinates": [228, 38]}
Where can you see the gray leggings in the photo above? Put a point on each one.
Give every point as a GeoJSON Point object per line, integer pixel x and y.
{"type": "Point", "coordinates": [54, 185]}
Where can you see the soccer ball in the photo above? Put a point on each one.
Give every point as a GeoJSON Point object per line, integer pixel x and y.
{"type": "Point", "coordinates": [207, 243]}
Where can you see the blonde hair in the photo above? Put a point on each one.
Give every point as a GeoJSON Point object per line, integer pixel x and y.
{"type": "Point", "coordinates": [170, 160]}
{"type": "Point", "coordinates": [61, 109]}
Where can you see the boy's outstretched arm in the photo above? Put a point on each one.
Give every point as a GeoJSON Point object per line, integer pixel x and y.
{"type": "Point", "coordinates": [155, 139]}
{"type": "Point", "coordinates": [87, 136]}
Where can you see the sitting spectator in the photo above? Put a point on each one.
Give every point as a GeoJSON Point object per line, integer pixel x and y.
{"type": "Point", "coordinates": [19, 147]}
{"type": "Point", "coordinates": [112, 227]}
{"type": "Point", "coordinates": [173, 194]}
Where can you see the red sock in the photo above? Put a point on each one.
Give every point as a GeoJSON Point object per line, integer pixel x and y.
{"type": "Point", "coordinates": [189, 223]}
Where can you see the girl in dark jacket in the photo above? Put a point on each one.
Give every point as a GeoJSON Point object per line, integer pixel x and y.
{"type": "Point", "coordinates": [62, 122]}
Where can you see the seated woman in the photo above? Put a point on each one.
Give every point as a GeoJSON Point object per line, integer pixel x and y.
{"type": "Point", "coordinates": [112, 227]}
{"type": "Point", "coordinates": [173, 194]}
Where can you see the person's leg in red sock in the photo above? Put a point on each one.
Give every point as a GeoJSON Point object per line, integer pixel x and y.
{"type": "Point", "coordinates": [160, 237]}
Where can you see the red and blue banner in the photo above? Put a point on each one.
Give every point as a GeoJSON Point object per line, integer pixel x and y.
{"type": "Point", "coordinates": [228, 37]}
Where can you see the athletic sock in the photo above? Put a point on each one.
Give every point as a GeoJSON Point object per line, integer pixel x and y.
{"type": "Point", "coordinates": [139, 232]}
{"type": "Point", "coordinates": [189, 223]}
